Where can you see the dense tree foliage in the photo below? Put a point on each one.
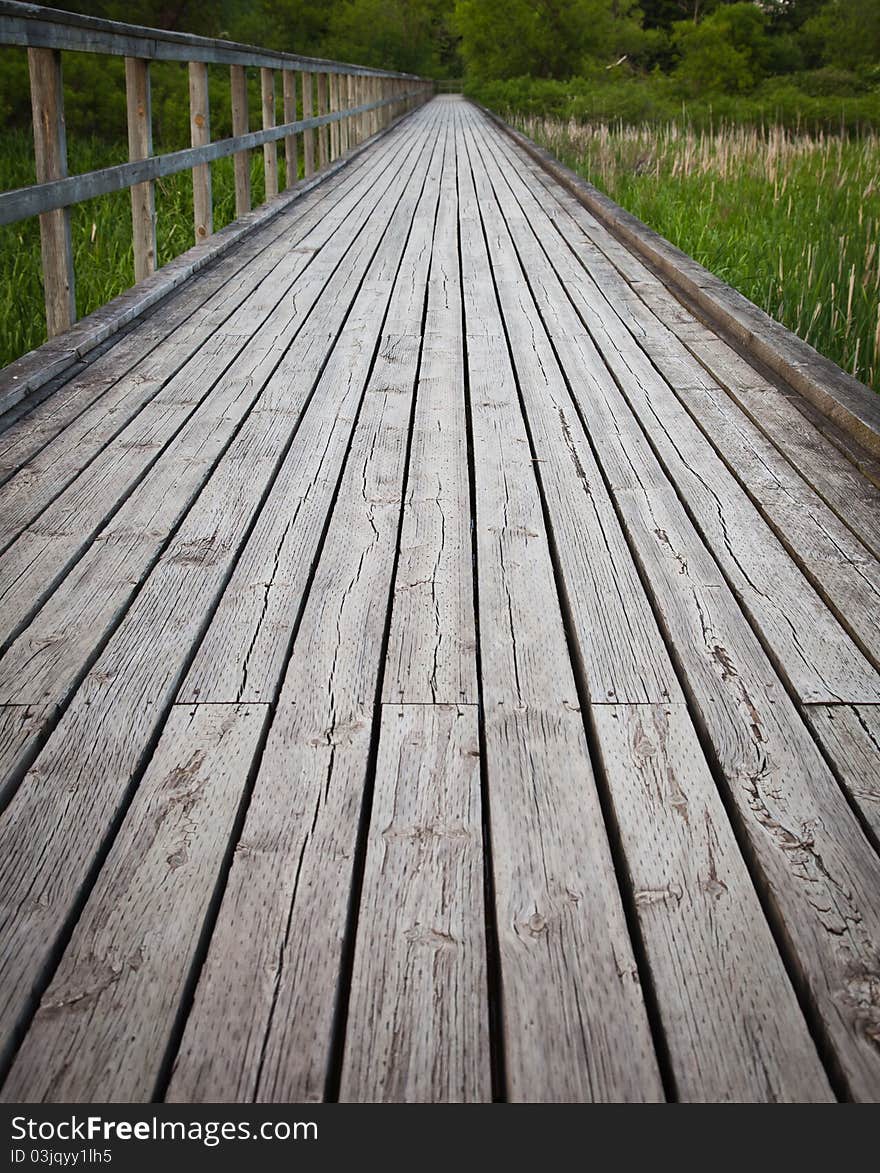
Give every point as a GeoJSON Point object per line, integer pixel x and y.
{"type": "Point", "coordinates": [681, 49]}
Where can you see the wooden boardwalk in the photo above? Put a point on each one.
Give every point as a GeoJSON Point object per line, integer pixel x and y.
{"type": "Point", "coordinates": [436, 667]}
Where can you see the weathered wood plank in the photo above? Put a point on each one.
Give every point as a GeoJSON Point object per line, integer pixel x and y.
{"type": "Point", "coordinates": [816, 865]}
{"type": "Point", "coordinates": [240, 125]}
{"type": "Point", "coordinates": [837, 564]}
{"type": "Point", "coordinates": [315, 765]}
{"type": "Point", "coordinates": [247, 644]}
{"type": "Point", "coordinates": [418, 1016]}
{"type": "Point", "coordinates": [731, 1022]}
{"type": "Point", "coordinates": [81, 777]}
{"type": "Point", "coordinates": [140, 146]}
{"type": "Point", "coordinates": [335, 127]}
{"type": "Point", "coordinates": [50, 158]}
{"type": "Point", "coordinates": [565, 953]}
{"type": "Point", "coordinates": [19, 727]}
{"type": "Point", "coordinates": [646, 305]}
{"type": "Point", "coordinates": [850, 736]}
{"type": "Point", "coordinates": [51, 654]}
{"type": "Point", "coordinates": [41, 554]}
{"type": "Point", "coordinates": [623, 659]}
{"type": "Point", "coordinates": [106, 1020]}
{"type": "Point", "coordinates": [712, 1056]}
{"type": "Point", "coordinates": [432, 640]}
{"type": "Point", "coordinates": [200, 136]}
{"type": "Point", "coordinates": [240, 272]}
{"type": "Point", "coordinates": [811, 648]}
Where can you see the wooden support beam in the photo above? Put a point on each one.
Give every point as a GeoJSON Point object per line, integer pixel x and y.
{"type": "Point", "coordinates": [308, 104]}
{"type": "Point", "coordinates": [50, 156]}
{"type": "Point", "coordinates": [342, 83]}
{"type": "Point", "coordinates": [333, 79]}
{"type": "Point", "coordinates": [140, 146]}
{"type": "Point", "coordinates": [290, 148]}
{"type": "Point", "coordinates": [351, 121]}
{"type": "Point", "coordinates": [323, 138]}
{"type": "Point", "coordinates": [200, 132]}
{"type": "Point", "coordinates": [238, 80]}
{"type": "Point", "coordinates": [270, 150]}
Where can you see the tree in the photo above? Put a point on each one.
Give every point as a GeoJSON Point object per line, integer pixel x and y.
{"type": "Point", "coordinates": [846, 33]}
{"type": "Point", "coordinates": [542, 38]}
{"type": "Point", "coordinates": [726, 52]}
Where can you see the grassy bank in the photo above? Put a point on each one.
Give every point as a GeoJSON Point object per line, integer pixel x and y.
{"type": "Point", "coordinates": [790, 219]}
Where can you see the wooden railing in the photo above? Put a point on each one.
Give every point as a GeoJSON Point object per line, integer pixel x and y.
{"type": "Point", "coordinates": [342, 105]}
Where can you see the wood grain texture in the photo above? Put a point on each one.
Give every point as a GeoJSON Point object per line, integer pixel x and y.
{"type": "Point", "coordinates": [850, 735]}
{"type": "Point", "coordinates": [402, 483]}
{"type": "Point", "coordinates": [730, 1018]}
{"type": "Point", "coordinates": [308, 99]}
{"type": "Point", "coordinates": [50, 160]}
{"type": "Point", "coordinates": [105, 1022]}
{"type": "Point", "coordinates": [323, 107]}
{"type": "Point", "coordinates": [200, 135]}
{"type": "Point", "coordinates": [240, 125]}
{"type": "Point", "coordinates": [545, 818]}
{"type": "Point", "coordinates": [817, 866]}
{"type": "Point", "coordinates": [843, 571]}
{"type": "Point", "coordinates": [247, 644]}
{"type": "Point", "coordinates": [116, 709]}
{"type": "Point", "coordinates": [20, 727]}
{"type": "Point", "coordinates": [270, 150]}
{"type": "Point", "coordinates": [291, 148]}
{"type": "Point", "coordinates": [418, 1016]}
{"type": "Point", "coordinates": [315, 764]}
{"type": "Point", "coordinates": [243, 356]}
{"type": "Point", "coordinates": [654, 751]}
{"type": "Point", "coordinates": [431, 645]}
{"type": "Point", "coordinates": [140, 146]}
{"type": "Point", "coordinates": [218, 294]}
{"type": "Point", "coordinates": [813, 651]}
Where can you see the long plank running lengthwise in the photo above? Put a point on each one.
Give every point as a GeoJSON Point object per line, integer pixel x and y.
{"type": "Point", "coordinates": [435, 667]}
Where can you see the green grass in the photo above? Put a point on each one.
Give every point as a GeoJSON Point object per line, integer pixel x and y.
{"type": "Point", "coordinates": [101, 231]}
{"type": "Point", "coordinates": [792, 220]}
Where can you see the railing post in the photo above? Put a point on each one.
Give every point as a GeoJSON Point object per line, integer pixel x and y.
{"type": "Point", "coordinates": [140, 146]}
{"type": "Point", "coordinates": [200, 134]}
{"type": "Point", "coordinates": [240, 125]}
{"type": "Point", "coordinates": [335, 144]}
{"type": "Point", "coordinates": [351, 121]}
{"type": "Point", "coordinates": [323, 138]}
{"type": "Point", "coordinates": [343, 105]}
{"type": "Point", "coordinates": [308, 103]}
{"type": "Point", "coordinates": [270, 150]}
{"type": "Point", "coordinates": [360, 99]}
{"type": "Point", "coordinates": [50, 156]}
{"type": "Point", "coordinates": [288, 87]}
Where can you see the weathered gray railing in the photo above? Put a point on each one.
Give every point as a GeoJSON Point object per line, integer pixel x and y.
{"type": "Point", "coordinates": [341, 104]}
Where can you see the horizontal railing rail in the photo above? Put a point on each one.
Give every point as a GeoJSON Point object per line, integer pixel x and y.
{"type": "Point", "coordinates": [333, 107]}
{"type": "Point", "coordinates": [24, 202]}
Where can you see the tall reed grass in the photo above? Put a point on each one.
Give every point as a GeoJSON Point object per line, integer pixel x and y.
{"type": "Point", "coordinates": [790, 219]}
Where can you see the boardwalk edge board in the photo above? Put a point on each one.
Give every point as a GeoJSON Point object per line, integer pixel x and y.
{"type": "Point", "coordinates": [31, 372]}
{"type": "Point", "coordinates": [838, 395]}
